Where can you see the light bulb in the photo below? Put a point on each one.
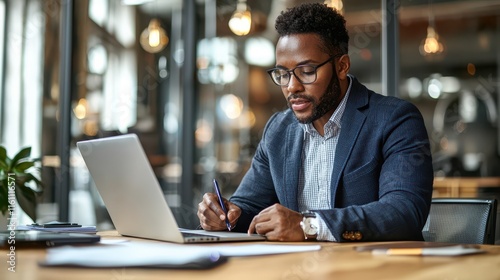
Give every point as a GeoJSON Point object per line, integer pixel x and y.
{"type": "Point", "coordinates": [431, 44]}
{"type": "Point", "coordinates": [80, 109]}
{"type": "Point", "coordinates": [154, 38]}
{"type": "Point", "coordinates": [336, 4]}
{"type": "Point", "coordinates": [241, 20]}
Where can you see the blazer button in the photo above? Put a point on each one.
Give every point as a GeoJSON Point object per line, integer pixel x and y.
{"type": "Point", "coordinates": [352, 235]}
{"type": "Point", "coordinates": [348, 235]}
{"type": "Point", "coordinates": [358, 235]}
{"type": "Point", "coordinates": [345, 235]}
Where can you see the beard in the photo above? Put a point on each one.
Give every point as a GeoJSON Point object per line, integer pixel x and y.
{"type": "Point", "coordinates": [327, 102]}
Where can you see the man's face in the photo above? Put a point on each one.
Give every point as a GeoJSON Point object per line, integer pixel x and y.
{"type": "Point", "coordinates": [308, 102]}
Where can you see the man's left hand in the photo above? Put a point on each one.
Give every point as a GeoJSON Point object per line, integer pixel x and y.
{"type": "Point", "coordinates": [278, 223]}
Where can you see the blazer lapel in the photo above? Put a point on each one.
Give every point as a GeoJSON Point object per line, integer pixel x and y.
{"type": "Point", "coordinates": [352, 121]}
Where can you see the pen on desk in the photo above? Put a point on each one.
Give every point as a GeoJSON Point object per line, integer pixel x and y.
{"type": "Point", "coordinates": [221, 202]}
{"type": "Point", "coordinates": [453, 250]}
{"type": "Point", "coordinates": [399, 252]}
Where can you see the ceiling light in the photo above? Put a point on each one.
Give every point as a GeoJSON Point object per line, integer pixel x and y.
{"type": "Point", "coordinates": [80, 109]}
{"type": "Point", "coordinates": [154, 38]}
{"type": "Point", "coordinates": [336, 4]}
{"type": "Point", "coordinates": [241, 20]}
{"type": "Point", "coordinates": [431, 45]}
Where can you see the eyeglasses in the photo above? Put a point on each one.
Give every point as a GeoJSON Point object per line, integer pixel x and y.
{"type": "Point", "coordinates": [306, 74]}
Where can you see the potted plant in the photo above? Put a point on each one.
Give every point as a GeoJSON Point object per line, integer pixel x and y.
{"type": "Point", "coordinates": [18, 181]}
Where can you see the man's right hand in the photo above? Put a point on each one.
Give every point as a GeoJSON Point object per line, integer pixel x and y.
{"type": "Point", "coordinates": [212, 216]}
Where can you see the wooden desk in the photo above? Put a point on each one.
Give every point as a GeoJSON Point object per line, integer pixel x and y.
{"type": "Point", "coordinates": [333, 261]}
{"type": "Point", "coordinates": [463, 186]}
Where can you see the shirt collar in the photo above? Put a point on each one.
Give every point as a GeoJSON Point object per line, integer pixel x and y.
{"type": "Point", "coordinates": [334, 120]}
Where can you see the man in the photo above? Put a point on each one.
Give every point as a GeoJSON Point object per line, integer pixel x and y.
{"type": "Point", "coordinates": [342, 163]}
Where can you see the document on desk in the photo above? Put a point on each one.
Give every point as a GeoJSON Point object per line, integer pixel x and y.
{"type": "Point", "coordinates": [262, 249]}
{"type": "Point", "coordinates": [166, 255]}
{"type": "Point", "coordinates": [133, 254]}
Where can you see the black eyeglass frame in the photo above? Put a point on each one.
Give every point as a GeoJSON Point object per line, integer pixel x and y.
{"type": "Point", "coordinates": [292, 72]}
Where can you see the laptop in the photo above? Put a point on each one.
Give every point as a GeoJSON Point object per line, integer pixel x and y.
{"type": "Point", "coordinates": [133, 197]}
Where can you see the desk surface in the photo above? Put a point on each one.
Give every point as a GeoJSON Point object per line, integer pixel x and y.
{"type": "Point", "coordinates": [333, 261]}
{"type": "Point", "coordinates": [467, 182]}
{"type": "Point", "coordinates": [463, 186]}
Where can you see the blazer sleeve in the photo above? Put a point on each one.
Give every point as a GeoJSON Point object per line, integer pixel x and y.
{"type": "Point", "coordinates": [385, 189]}
{"type": "Point", "coordinates": [256, 190]}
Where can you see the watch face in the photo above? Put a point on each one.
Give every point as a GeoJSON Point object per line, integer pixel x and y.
{"type": "Point", "coordinates": [310, 226]}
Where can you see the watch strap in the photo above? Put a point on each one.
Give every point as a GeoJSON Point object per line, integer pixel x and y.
{"type": "Point", "coordinates": [308, 213]}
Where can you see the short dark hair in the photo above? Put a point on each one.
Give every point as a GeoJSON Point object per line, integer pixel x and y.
{"type": "Point", "coordinates": [316, 18]}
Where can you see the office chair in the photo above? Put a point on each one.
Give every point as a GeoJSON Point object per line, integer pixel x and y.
{"type": "Point", "coordinates": [461, 220]}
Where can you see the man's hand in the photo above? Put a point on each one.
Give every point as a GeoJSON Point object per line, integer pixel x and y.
{"type": "Point", "coordinates": [212, 216]}
{"type": "Point", "coordinates": [278, 223]}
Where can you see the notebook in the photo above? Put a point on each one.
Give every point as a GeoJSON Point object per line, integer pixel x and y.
{"type": "Point", "coordinates": [133, 197]}
{"type": "Point", "coordinates": [28, 238]}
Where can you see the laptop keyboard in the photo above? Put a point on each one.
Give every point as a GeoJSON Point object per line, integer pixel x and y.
{"type": "Point", "coordinates": [192, 234]}
{"type": "Point", "coordinates": [191, 237]}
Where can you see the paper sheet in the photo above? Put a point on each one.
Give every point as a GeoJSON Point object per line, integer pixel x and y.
{"type": "Point", "coordinates": [147, 254]}
{"type": "Point", "coordinates": [131, 255]}
{"type": "Point", "coordinates": [262, 249]}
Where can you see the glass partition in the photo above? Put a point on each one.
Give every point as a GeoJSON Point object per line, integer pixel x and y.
{"type": "Point", "coordinates": [131, 73]}
{"type": "Point", "coordinates": [449, 69]}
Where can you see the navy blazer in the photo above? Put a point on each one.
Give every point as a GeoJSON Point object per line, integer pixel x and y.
{"type": "Point", "coordinates": [382, 178]}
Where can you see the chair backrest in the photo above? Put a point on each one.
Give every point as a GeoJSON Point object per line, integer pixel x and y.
{"type": "Point", "coordinates": [461, 220]}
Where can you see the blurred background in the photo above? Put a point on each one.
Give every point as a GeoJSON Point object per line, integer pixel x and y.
{"type": "Point", "coordinates": [188, 77]}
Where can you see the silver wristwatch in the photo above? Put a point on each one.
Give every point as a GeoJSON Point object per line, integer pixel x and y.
{"type": "Point", "coordinates": [309, 225]}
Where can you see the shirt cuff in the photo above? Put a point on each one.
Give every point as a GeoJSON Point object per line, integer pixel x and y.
{"type": "Point", "coordinates": [324, 233]}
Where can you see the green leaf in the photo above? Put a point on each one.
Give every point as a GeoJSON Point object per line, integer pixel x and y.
{"type": "Point", "coordinates": [24, 153]}
{"type": "Point", "coordinates": [3, 153]}
{"type": "Point", "coordinates": [4, 164]}
{"type": "Point", "coordinates": [27, 185]}
{"type": "Point", "coordinates": [3, 196]}
{"type": "Point", "coordinates": [31, 178]}
{"type": "Point", "coordinates": [23, 166]}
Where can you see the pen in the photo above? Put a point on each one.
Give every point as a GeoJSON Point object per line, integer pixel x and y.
{"type": "Point", "coordinates": [399, 252]}
{"type": "Point", "coordinates": [221, 202]}
{"type": "Point", "coordinates": [56, 225]}
{"type": "Point", "coordinates": [454, 250]}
